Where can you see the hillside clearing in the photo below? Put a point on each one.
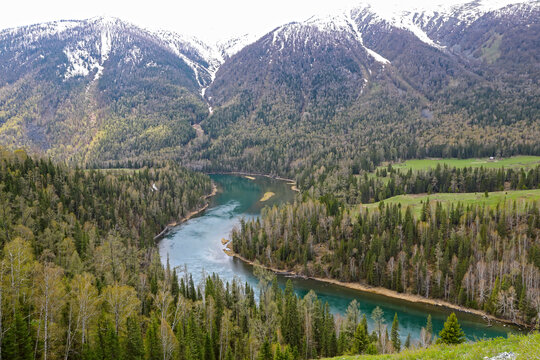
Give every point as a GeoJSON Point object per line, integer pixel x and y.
{"type": "Point", "coordinates": [511, 162]}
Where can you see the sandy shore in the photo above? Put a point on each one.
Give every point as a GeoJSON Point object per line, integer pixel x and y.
{"type": "Point", "coordinates": [191, 214]}
{"type": "Point", "coordinates": [267, 195]}
{"type": "Point", "coordinates": [383, 291]}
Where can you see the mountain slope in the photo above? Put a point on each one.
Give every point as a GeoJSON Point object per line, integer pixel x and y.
{"type": "Point", "coordinates": [407, 84]}
{"type": "Point", "coordinates": [100, 88]}
{"type": "Point", "coordinates": [352, 88]}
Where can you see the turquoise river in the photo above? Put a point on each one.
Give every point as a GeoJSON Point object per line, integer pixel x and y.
{"type": "Point", "coordinates": [197, 245]}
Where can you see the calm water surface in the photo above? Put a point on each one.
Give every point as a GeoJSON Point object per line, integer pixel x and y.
{"type": "Point", "coordinates": [197, 244]}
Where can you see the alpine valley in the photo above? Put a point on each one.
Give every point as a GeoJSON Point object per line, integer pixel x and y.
{"type": "Point", "coordinates": [368, 167]}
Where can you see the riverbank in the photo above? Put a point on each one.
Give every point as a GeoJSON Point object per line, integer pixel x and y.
{"type": "Point", "coordinates": [382, 291]}
{"type": "Point", "coordinates": [191, 214]}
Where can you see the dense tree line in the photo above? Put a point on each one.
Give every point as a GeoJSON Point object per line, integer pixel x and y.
{"type": "Point", "coordinates": [387, 182]}
{"type": "Point", "coordinates": [475, 256]}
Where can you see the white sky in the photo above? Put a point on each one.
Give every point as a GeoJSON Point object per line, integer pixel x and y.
{"type": "Point", "coordinates": [209, 20]}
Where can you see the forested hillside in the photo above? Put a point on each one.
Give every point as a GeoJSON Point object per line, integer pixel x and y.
{"type": "Point", "coordinates": [361, 87]}
{"type": "Point", "coordinates": [350, 89]}
{"type": "Point", "coordinates": [474, 256]}
{"type": "Point", "coordinates": [99, 89]}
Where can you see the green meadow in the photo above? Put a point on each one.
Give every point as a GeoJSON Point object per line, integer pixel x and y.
{"type": "Point", "coordinates": [415, 201]}
{"type": "Point", "coordinates": [511, 162]}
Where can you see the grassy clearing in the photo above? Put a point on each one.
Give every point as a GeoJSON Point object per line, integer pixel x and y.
{"type": "Point", "coordinates": [415, 201]}
{"type": "Point", "coordinates": [512, 162]}
{"type": "Point", "coordinates": [524, 346]}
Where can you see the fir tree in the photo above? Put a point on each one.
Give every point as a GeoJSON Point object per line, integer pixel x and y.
{"type": "Point", "coordinates": [266, 352]}
{"type": "Point", "coordinates": [451, 333]}
{"type": "Point", "coordinates": [17, 343]}
{"type": "Point", "coordinates": [133, 345]}
{"type": "Point", "coordinates": [208, 349]}
{"type": "Point", "coordinates": [360, 340]}
{"type": "Point", "coordinates": [153, 346]}
{"type": "Point", "coordinates": [394, 334]}
{"type": "Point", "coordinates": [108, 347]}
{"type": "Point", "coordinates": [429, 329]}
{"type": "Point", "coordinates": [408, 341]}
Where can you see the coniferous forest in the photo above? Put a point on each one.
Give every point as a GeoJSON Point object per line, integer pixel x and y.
{"type": "Point", "coordinates": [81, 278]}
{"type": "Point", "coordinates": [474, 256]}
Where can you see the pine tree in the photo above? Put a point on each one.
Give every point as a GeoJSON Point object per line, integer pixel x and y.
{"type": "Point", "coordinates": [394, 334]}
{"type": "Point", "coordinates": [17, 343]}
{"type": "Point", "coordinates": [133, 345]}
{"type": "Point", "coordinates": [451, 333]}
{"type": "Point", "coordinates": [208, 349]}
{"type": "Point", "coordinates": [108, 347]}
{"type": "Point", "coordinates": [360, 340]}
{"type": "Point", "coordinates": [153, 346]}
{"type": "Point", "coordinates": [266, 352]}
{"type": "Point", "coordinates": [408, 341]}
{"type": "Point", "coordinates": [290, 326]}
{"type": "Point", "coordinates": [429, 329]}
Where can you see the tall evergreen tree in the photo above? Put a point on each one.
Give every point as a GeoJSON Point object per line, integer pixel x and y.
{"type": "Point", "coordinates": [153, 346]}
{"type": "Point", "coordinates": [266, 352]}
{"type": "Point", "coordinates": [360, 340]}
{"type": "Point", "coordinates": [133, 344]}
{"type": "Point", "coordinates": [394, 334]}
{"type": "Point", "coordinates": [17, 343]}
{"type": "Point", "coordinates": [451, 332]}
{"type": "Point", "coordinates": [408, 341]}
{"type": "Point", "coordinates": [429, 329]}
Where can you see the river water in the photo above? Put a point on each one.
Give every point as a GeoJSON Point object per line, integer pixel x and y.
{"type": "Point", "coordinates": [197, 244]}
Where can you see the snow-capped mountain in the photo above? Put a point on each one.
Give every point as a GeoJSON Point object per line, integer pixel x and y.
{"type": "Point", "coordinates": [106, 89]}
{"type": "Point", "coordinates": [87, 45]}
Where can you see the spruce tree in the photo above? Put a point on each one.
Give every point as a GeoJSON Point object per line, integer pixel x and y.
{"type": "Point", "coordinates": [408, 341]}
{"type": "Point", "coordinates": [108, 347]}
{"type": "Point", "coordinates": [133, 345]}
{"type": "Point", "coordinates": [451, 333]}
{"type": "Point", "coordinates": [153, 346]}
{"type": "Point", "coordinates": [394, 334]}
{"type": "Point", "coordinates": [17, 344]}
{"type": "Point", "coordinates": [266, 352]}
{"type": "Point", "coordinates": [429, 329]}
{"type": "Point", "coordinates": [360, 340]}
{"type": "Point", "coordinates": [208, 348]}
{"type": "Point", "coordinates": [290, 326]}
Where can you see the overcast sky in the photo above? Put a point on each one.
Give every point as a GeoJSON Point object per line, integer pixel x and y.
{"type": "Point", "coordinates": [210, 20]}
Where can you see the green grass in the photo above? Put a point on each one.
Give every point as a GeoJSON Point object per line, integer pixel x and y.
{"type": "Point", "coordinates": [512, 162]}
{"type": "Point", "coordinates": [491, 49]}
{"type": "Point", "coordinates": [415, 201]}
{"type": "Point", "coordinates": [526, 347]}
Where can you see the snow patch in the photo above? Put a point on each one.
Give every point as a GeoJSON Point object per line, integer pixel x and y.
{"type": "Point", "coordinates": [80, 62]}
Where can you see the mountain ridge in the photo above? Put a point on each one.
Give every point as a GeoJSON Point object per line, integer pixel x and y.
{"type": "Point", "coordinates": [102, 89]}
